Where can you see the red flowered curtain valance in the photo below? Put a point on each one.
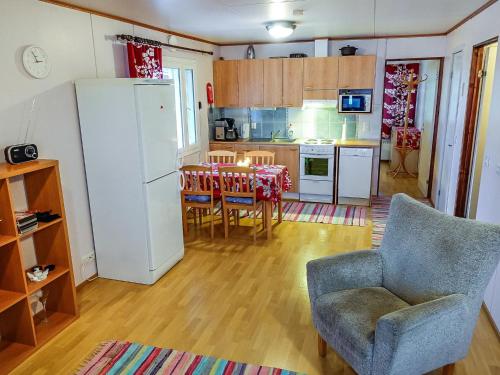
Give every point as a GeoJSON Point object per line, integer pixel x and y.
{"type": "Point", "coordinates": [144, 61]}
{"type": "Point", "coordinates": [395, 97]}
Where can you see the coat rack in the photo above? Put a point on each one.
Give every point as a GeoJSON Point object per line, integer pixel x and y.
{"type": "Point", "coordinates": [155, 43]}
{"type": "Point", "coordinates": [404, 150]}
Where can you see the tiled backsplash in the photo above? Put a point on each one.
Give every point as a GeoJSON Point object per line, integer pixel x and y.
{"type": "Point", "coordinates": [306, 123]}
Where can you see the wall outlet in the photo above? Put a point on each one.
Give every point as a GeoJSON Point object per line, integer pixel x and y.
{"type": "Point", "coordinates": [88, 258]}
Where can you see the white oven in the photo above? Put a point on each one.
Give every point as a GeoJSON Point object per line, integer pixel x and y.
{"type": "Point", "coordinates": [317, 173]}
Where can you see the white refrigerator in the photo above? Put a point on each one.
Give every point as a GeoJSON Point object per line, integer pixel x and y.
{"type": "Point", "coordinates": [129, 139]}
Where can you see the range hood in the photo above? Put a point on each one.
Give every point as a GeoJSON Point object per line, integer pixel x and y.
{"type": "Point", "coordinates": [319, 103]}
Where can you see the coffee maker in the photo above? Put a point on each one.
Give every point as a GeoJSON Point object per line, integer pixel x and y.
{"type": "Point", "coordinates": [225, 129]}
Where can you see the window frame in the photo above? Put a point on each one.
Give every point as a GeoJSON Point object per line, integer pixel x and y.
{"type": "Point", "coordinates": [184, 64]}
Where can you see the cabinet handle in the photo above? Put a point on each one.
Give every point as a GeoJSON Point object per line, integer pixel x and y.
{"type": "Point", "coordinates": [307, 87]}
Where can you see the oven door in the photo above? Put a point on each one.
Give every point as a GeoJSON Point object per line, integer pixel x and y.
{"type": "Point", "coordinates": [316, 167]}
{"type": "Point", "coordinates": [354, 103]}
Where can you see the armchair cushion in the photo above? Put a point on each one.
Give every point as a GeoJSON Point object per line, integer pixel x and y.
{"type": "Point", "coordinates": [347, 319]}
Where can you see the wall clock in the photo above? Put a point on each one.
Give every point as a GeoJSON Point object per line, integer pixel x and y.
{"type": "Point", "coordinates": [36, 62]}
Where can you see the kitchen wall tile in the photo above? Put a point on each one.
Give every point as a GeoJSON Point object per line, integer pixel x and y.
{"type": "Point", "coordinates": [305, 123]}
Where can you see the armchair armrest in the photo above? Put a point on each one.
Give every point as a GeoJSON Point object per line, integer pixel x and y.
{"type": "Point", "coordinates": [359, 269]}
{"type": "Point", "coordinates": [420, 338]}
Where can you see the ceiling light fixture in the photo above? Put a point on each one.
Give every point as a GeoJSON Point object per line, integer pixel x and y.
{"type": "Point", "coordinates": [280, 29]}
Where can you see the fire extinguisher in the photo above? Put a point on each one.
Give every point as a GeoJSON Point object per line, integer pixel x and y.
{"type": "Point", "coordinates": [210, 94]}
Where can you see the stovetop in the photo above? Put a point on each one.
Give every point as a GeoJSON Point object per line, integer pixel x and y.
{"type": "Point", "coordinates": [319, 141]}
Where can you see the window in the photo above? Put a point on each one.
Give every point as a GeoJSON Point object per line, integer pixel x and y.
{"type": "Point", "coordinates": [183, 72]}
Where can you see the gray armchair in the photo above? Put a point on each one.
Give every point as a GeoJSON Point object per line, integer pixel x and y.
{"type": "Point", "coordinates": [411, 306]}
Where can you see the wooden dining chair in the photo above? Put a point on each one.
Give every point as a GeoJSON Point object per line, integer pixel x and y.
{"type": "Point", "coordinates": [197, 193]}
{"type": "Point", "coordinates": [239, 192]}
{"type": "Point", "coordinates": [221, 156]}
{"type": "Point", "coordinates": [260, 157]}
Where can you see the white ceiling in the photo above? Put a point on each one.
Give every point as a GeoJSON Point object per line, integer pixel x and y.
{"type": "Point", "coordinates": [226, 21]}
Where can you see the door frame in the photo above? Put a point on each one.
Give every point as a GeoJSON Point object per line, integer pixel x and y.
{"type": "Point", "coordinates": [468, 139]}
{"type": "Point", "coordinates": [436, 120]}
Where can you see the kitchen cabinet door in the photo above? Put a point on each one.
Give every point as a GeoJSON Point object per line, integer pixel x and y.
{"type": "Point", "coordinates": [242, 148]}
{"type": "Point", "coordinates": [226, 83]}
{"type": "Point", "coordinates": [321, 94]}
{"type": "Point", "coordinates": [293, 73]}
{"type": "Point", "coordinates": [221, 146]}
{"type": "Point", "coordinates": [289, 156]}
{"type": "Point", "coordinates": [357, 72]}
{"type": "Point", "coordinates": [251, 83]}
{"type": "Point", "coordinates": [273, 83]}
{"type": "Point", "coordinates": [321, 73]}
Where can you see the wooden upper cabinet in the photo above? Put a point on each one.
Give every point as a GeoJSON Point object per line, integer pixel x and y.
{"type": "Point", "coordinates": [293, 73]}
{"type": "Point", "coordinates": [251, 83]}
{"type": "Point", "coordinates": [321, 73]}
{"type": "Point", "coordinates": [226, 83]}
{"type": "Point", "coordinates": [273, 83]}
{"type": "Point", "coordinates": [357, 72]}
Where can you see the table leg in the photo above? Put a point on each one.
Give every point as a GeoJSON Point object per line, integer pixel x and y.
{"type": "Point", "coordinates": [269, 219]}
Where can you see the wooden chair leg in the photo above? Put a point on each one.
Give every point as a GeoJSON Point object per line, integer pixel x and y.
{"type": "Point", "coordinates": [449, 369]}
{"type": "Point", "coordinates": [255, 225]}
{"type": "Point", "coordinates": [280, 211]}
{"type": "Point", "coordinates": [212, 218]}
{"type": "Point", "coordinates": [185, 226]}
{"type": "Point", "coordinates": [321, 346]}
{"type": "Point", "coordinates": [200, 216]}
{"type": "Point", "coordinates": [226, 223]}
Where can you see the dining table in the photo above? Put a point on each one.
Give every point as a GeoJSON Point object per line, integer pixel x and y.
{"type": "Point", "coordinates": [271, 182]}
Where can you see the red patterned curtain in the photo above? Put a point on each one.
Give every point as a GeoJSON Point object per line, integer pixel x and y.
{"type": "Point", "coordinates": [144, 61]}
{"type": "Point", "coordinates": [395, 97]}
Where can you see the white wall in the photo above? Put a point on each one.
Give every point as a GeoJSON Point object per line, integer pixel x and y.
{"type": "Point", "coordinates": [479, 29]}
{"type": "Point", "coordinates": [369, 126]}
{"type": "Point", "coordinates": [79, 46]}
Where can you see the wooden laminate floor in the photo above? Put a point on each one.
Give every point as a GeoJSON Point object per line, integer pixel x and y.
{"type": "Point", "coordinates": [401, 184]}
{"type": "Point", "coordinates": [231, 299]}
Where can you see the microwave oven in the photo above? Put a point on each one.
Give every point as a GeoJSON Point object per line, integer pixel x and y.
{"type": "Point", "coordinates": [355, 101]}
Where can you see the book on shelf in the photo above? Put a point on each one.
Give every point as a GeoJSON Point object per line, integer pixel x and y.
{"type": "Point", "coordinates": [26, 222]}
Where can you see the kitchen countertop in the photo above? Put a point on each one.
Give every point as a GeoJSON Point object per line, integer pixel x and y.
{"type": "Point", "coordinates": [338, 142]}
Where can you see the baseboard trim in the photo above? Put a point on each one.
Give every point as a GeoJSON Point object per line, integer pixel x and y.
{"type": "Point", "coordinates": [490, 318]}
{"type": "Point", "coordinates": [85, 282]}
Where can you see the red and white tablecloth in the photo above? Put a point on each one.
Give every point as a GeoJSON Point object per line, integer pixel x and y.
{"type": "Point", "coordinates": [272, 180]}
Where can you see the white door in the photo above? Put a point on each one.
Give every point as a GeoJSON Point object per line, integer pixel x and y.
{"type": "Point", "coordinates": [157, 127]}
{"type": "Point", "coordinates": [164, 219]}
{"type": "Point", "coordinates": [449, 175]}
{"type": "Point", "coordinates": [430, 68]}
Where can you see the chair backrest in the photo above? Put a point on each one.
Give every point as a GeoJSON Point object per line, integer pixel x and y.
{"type": "Point", "coordinates": [238, 182]}
{"type": "Point", "coordinates": [221, 156]}
{"type": "Point", "coordinates": [196, 180]}
{"type": "Point", "coordinates": [260, 157]}
{"type": "Point", "coordinates": [427, 254]}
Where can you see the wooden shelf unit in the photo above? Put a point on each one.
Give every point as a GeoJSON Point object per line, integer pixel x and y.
{"type": "Point", "coordinates": [21, 331]}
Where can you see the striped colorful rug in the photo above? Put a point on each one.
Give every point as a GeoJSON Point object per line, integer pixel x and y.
{"type": "Point", "coordinates": [123, 357]}
{"type": "Point", "coordinates": [317, 213]}
{"type": "Point", "coordinates": [380, 213]}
